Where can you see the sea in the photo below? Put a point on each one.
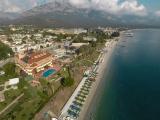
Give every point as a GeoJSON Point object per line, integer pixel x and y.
{"type": "Point", "coordinates": [130, 89]}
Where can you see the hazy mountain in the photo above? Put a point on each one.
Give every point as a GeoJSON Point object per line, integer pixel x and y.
{"type": "Point", "coordinates": [6, 17]}
{"type": "Point", "coordinates": [57, 14]}
{"type": "Point", "coordinates": [9, 15]}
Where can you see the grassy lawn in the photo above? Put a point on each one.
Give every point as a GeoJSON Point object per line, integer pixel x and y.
{"type": "Point", "coordinates": [28, 105]}
{"type": "Point", "coordinates": [3, 79]}
{"type": "Point", "coordinates": [33, 100]}
{"type": "Point", "coordinates": [9, 96]}
{"type": "Point", "coordinates": [88, 53]}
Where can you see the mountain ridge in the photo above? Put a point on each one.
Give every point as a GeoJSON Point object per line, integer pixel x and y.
{"type": "Point", "coordinates": [63, 14]}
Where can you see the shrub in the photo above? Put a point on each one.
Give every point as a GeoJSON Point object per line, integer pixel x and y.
{"type": "Point", "coordinates": [67, 82]}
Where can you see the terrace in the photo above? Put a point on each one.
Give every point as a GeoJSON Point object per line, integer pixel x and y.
{"type": "Point", "coordinates": [46, 73]}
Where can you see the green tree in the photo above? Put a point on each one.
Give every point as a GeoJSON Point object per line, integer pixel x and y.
{"type": "Point", "coordinates": [67, 82]}
{"type": "Point", "coordinates": [24, 40]}
{"type": "Point", "coordinates": [5, 51]}
{"type": "Point", "coordinates": [10, 69]}
{"type": "Point", "coordinates": [115, 34]}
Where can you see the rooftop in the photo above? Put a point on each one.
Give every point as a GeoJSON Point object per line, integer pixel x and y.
{"type": "Point", "coordinates": [36, 57]}
{"type": "Point", "coordinates": [13, 81]}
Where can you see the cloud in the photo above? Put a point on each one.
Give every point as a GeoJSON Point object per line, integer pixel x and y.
{"type": "Point", "coordinates": [81, 3]}
{"type": "Point", "coordinates": [132, 7]}
{"type": "Point", "coordinates": [33, 3]}
{"type": "Point", "coordinates": [157, 13]}
{"type": "Point", "coordinates": [7, 6]}
{"type": "Point", "coordinates": [19, 5]}
{"type": "Point", "coordinates": [117, 7]}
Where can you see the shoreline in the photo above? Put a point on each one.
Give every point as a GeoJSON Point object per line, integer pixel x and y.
{"type": "Point", "coordinates": [101, 70]}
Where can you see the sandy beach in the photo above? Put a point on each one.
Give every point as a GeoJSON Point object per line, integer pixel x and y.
{"type": "Point", "coordinates": [101, 69]}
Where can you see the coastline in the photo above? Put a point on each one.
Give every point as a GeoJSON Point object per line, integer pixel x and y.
{"type": "Point", "coordinates": [101, 70]}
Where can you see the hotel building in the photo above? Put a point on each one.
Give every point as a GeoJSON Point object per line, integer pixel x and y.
{"type": "Point", "coordinates": [35, 62]}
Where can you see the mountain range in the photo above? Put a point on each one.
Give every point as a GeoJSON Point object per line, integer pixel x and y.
{"type": "Point", "coordinates": [57, 14]}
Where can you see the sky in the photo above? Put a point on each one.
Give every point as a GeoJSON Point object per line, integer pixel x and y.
{"type": "Point", "coordinates": [140, 8]}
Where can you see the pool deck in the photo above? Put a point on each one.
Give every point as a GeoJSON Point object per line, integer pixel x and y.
{"type": "Point", "coordinates": [40, 74]}
{"type": "Point", "coordinates": [48, 73]}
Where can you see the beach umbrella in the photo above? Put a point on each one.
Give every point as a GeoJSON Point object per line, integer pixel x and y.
{"type": "Point", "coordinates": [85, 92]}
{"type": "Point", "coordinates": [76, 103]}
{"type": "Point", "coordinates": [86, 86]}
{"type": "Point", "coordinates": [85, 89]}
{"type": "Point", "coordinates": [87, 83]}
{"type": "Point", "coordinates": [83, 96]}
{"type": "Point", "coordinates": [81, 93]}
{"type": "Point", "coordinates": [72, 113]}
{"type": "Point", "coordinates": [80, 99]}
{"type": "Point", "coordinates": [80, 102]}
{"type": "Point", "coordinates": [75, 107]}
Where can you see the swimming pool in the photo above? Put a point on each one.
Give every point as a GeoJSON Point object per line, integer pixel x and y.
{"type": "Point", "coordinates": [49, 73]}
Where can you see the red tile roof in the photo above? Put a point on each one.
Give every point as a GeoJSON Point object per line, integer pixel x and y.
{"type": "Point", "coordinates": [33, 65]}
{"type": "Point", "coordinates": [38, 56]}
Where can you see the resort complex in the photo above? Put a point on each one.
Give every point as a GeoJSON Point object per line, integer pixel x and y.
{"type": "Point", "coordinates": [43, 66]}
{"type": "Point", "coordinates": [36, 63]}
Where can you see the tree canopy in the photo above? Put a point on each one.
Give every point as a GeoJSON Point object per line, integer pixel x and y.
{"type": "Point", "coordinates": [67, 82]}
{"type": "Point", "coordinates": [5, 51]}
{"type": "Point", "coordinates": [10, 69]}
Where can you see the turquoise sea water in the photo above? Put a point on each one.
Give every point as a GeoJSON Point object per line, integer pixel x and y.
{"type": "Point", "coordinates": [49, 72]}
{"type": "Point", "coordinates": [131, 86]}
